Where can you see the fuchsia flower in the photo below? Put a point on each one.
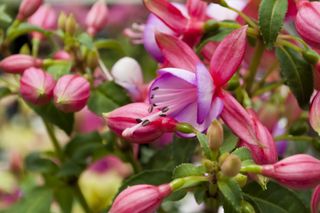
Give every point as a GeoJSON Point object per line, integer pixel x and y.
{"type": "Point", "coordinates": [314, 113]}
{"type": "Point", "coordinates": [140, 199]}
{"type": "Point", "coordinates": [36, 86]}
{"type": "Point", "coordinates": [296, 171]}
{"type": "Point", "coordinates": [46, 18]}
{"type": "Point", "coordinates": [315, 200]}
{"type": "Point", "coordinates": [307, 27]}
{"type": "Point", "coordinates": [252, 133]}
{"type": "Point", "coordinates": [187, 22]}
{"type": "Point", "coordinates": [97, 17]}
{"type": "Point", "coordinates": [18, 63]}
{"type": "Point", "coordinates": [129, 115]}
{"type": "Point", "coordinates": [186, 90]}
{"type": "Point", "coordinates": [71, 93]}
{"type": "Point", "coordinates": [62, 55]}
{"type": "Point", "coordinates": [27, 8]}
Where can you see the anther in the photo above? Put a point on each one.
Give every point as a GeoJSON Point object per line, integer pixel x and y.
{"type": "Point", "coordinates": [162, 115]}
{"type": "Point", "coordinates": [152, 96]}
{"type": "Point", "coordinates": [150, 109]}
{"type": "Point", "coordinates": [145, 122]}
{"type": "Point", "coordinates": [153, 89]}
{"type": "Point", "coordinates": [138, 120]}
{"type": "Point", "coordinates": [165, 109]}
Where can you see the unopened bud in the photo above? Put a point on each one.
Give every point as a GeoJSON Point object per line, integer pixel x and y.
{"type": "Point", "coordinates": [71, 25]}
{"type": "Point", "coordinates": [92, 59]}
{"type": "Point", "coordinates": [62, 21]}
{"type": "Point", "coordinates": [241, 179]}
{"type": "Point", "coordinates": [231, 165]}
{"type": "Point", "coordinates": [215, 135]}
{"type": "Point", "coordinates": [27, 8]}
{"type": "Point", "coordinates": [185, 128]}
{"type": "Point", "coordinates": [246, 207]}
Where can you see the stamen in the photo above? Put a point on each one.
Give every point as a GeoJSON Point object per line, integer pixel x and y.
{"type": "Point", "coordinates": [162, 115]}
{"type": "Point", "coordinates": [150, 109]}
{"type": "Point", "coordinates": [138, 120]}
{"type": "Point", "coordinates": [145, 122]}
{"type": "Point", "coordinates": [153, 89]}
{"type": "Point", "coordinates": [152, 96]}
{"type": "Point", "coordinates": [165, 109]}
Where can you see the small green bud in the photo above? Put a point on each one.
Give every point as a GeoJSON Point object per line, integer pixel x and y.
{"type": "Point", "coordinates": [246, 207]}
{"type": "Point", "coordinates": [241, 179]}
{"type": "Point", "coordinates": [210, 166]}
{"type": "Point", "coordinates": [231, 165]}
{"type": "Point", "coordinates": [215, 135]}
{"type": "Point", "coordinates": [62, 21]}
{"type": "Point", "coordinates": [25, 49]}
{"type": "Point", "coordinates": [71, 25]}
{"type": "Point", "coordinates": [92, 59]}
{"type": "Point", "coordinates": [311, 56]}
{"type": "Point", "coordinates": [185, 128]}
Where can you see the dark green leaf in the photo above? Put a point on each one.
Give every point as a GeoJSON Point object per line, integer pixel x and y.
{"type": "Point", "coordinates": [203, 140]}
{"type": "Point", "coordinates": [200, 194]}
{"type": "Point", "coordinates": [275, 199]}
{"type": "Point", "coordinates": [64, 196]}
{"type": "Point", "coordinates": [243, 153]}
{"type": "Point", "coordinates": [107, 97]}
{"type": "Point", "coordinates": [24, 28]}
{"type": "Point", "coordinates": [38, 200]}
{"type": "Point", "coordinates": [70, 168]}
{"type": "Point", "coordinates": [231, 193]}
{"type": "Point", "coordinates": [218, 36]}
{"type": "Point", "coordinates": [230, 141]}
{"type": "Point", "coordinates": [188, 169]}
{"type": "Point", "coordinates": [4, 91]}
{"type": "Point", "coordinates": [297, 74]}
{"type": "Point", "coordinates": [36, 163]}
{"type": "Point", "coordinates": [50, 113]}
{"type": "Point", "coordinates": [271, 17]}
{"type": "Point", "coordinates": [4, 17]}
{"type": "Point", "coordinates": [58, 70]}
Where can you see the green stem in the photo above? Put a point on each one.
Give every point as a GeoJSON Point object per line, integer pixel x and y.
{"type": "Point", "coordinates": [282, 42]}
{"type": "Point", "coordinates": [253, 68]}
{"type": "Point", "coordinates": [35, 47]}
{"type": "Point", "coordinates": [54, 140]}
{"type": "Point", "coordinates": [250, 32]}
{"type": "Point", "coordinates": [302, 138]}
{"type": "Point", "coordinates": [244, 16]}
{"type": "Point", "coordinates": [251, 169]}
{"type": "Point", "coordinates": [267, 88]}
{"type": "Point", "coordinates": [187, 182]}
{"type": "Point", "coordinates": [266, 75]}
{"type": "Point", "coordinates": [81, 199]}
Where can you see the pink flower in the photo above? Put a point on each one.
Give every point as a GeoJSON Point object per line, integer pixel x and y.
{"type": "Point", "coordinates": [27, 8]}
{"type": "Point", "coordinates": [315, 200]}
{"type": "Point", "coordinates": [253, 135]}
{"type": "Point", "coordinates": [297, 171]}
{"type": "Point", "coordinates": [62, 55]}
{"type": "Point", "coordinates": [46, 18]}
{"type": "Point", "coordinates": [140, 199]}
{"type": "Point", "coordinates": [130, 115]}
{"type": "Point", "coordinates": [36, 86]}
{"type": "Point", "coordinates": [18, 63]}
{"type": "Point", "coordinates": [97, 17]}
{"type": "Point", "coordinates": [307, 27]}
{"type": "Point", "coordinates": [187, 22]}
{"type": "Point", "coordinates": [186, 90]}
{"type": "Point", "coordinates": [314, 113]}
{"type": "Point", "coordinates": [71, 93]}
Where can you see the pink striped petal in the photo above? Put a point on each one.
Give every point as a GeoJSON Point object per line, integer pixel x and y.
{"type": "Point", "coordinates": [315, 200]}
{"type": "Point", "coordinates": [228, 56]}
{"type": "Point", "coordinates": [197, 8]}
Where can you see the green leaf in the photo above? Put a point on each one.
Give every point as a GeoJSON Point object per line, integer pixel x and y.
{"type": "Point", "coordinates": [200, 194]}
{"type": "Point", "coordinates": [218, 36]}
{"type": "Point", "coordinates": [243, 153]}
{"type": "Point", "coordinates": [38, 200]}
{"type": "Point", "coordinates": [188, 169]}
{"type": "Point", "coordinates": [229, 143]}
{"type": "Point", "coordinates": [203, 140]}
{"type": "Point", "coordinates": [86, 40]}
{"type": "Point", "coordinates": [297, 74]}
{"type": "Point", "coordinates": [34, 162]}
{"type": "Point", "coordinates": [107, 97]}
{"type": "Point", "coordinates": [58, 70]}
{"type": "Point", "coordinates": [4, 91]}
{"type": "Point", "coordinates": [64, 196]}
{"type": "Point", "coordinates": [24, 28]}
{"type": "Point", "coordinates": [231, 193]}
{"type": "Point", "coordinates": [110, 44]}
{"type": "Point", "coordinates": [271, 17]}
{"type": "Point", "coordinates": [61, 119]}
{"type": "Point", "coordinates": [70, 168]}
{"type": "Point", "coordinates": [275, 199]}
{"type": "Point", "coordinates": [4, 17]}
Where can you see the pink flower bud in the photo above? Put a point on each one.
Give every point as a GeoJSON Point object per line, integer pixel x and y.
{"type": "Point", "coordinates": [130, 115]}
{"type": "Point", "coordinates": [297, 171]}
{"type": "Point", "coordinates": [316, 76]}
{"type": "Point", "coordinates": [140, 199]}
{"type": "Point", "coordinates": [18, 63]}
{"type": "Point", "coordinates": [62, 55]}
{"type": "Point", "coordinates": [315, 200]}
{"type": "Point", "coordinates": [314, 113]}
{"type": "Point", "coordinates": [71, 93]}
{"type": "Point", "coordinates": [127, 73]}
{"type": "Point", "coordinates": [46, 18]}
{"type": "Point", "coordinates": [27, 8]}
{"type": "Point", "coordinates": [97, 17]}
{"type": "Point", "coordinates": [306, 24]}
{"type": "Point", "coordinates": [36, 86]}
{"type": "Point", "coordinates": [87, 121]}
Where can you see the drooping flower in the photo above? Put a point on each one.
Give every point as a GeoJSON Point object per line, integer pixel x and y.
{"type": "Point", "coordinates": [45, 17]}
{"type": "Point", "coordinates": [18, 63]}
{"type": "Point", "coordinates": [297, 171]}
{"type": "Point", "coordinates": [140, 199]}
{"type": "Point", "coordinates": [186, 89]}
{"type": "Point", "coordinates": [71, 93]}
{"type": "Point", "coordinates": [27, 8]}
{"type": "Point", "coordinates": [315, 200]}
{"type": "Point", "coordinates": [307, 27]}
{"type": "Point", "coordinates": [36, 86]}
{"type": "Point", "coordinates": [97, 17]}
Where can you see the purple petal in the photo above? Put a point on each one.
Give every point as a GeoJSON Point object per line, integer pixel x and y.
{"type": "Point", "coordinates": [190, 77]}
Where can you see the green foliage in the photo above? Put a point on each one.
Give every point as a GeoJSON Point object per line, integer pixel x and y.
{"type": "Point", "coordinates": [243, 153]}
{"type": "Point", "coordinates": [58, 70]}
{"type": "Point", "coordinates": [271, 17]}
{"type": "Point", "coordinates": [4, 91]}
{"type": "Point", "coordinates": [188, 169]}
{"type": "Point", "coordinates": [231, 193]}
{"type": "Point", "coordinates": [203, 140]}
{"type": "Point", "coordinates": [4, 17]}
{"type": "Point", "coordinates": [35, 162]}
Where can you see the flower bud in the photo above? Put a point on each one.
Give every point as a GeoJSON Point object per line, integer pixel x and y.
{"type": "Point", "coordinates": [62, 55]}
{"type": "Point", "coordinates": [128, 74]}
{"type": "Point", "coordinates": [71, 25]}
{"type": "Point", "coordinates": [46, 18]}
{"type": "Point", "coordinates": [307, 27]}
{"type": "Point", "coordinates": [97, 17]}
{"type": "Point", "coordinates": [231, 165]}
{"type": "Point", "coordinates": [215, 135]}
{"type": "Point", "coordinates": [314, 113]}
{"type": "Point", "coordinates": [71, 93]}
{"type": "Point", "coordinates": [27, 8]}
{"type": "Point", "coordinates": [130, 115]}
{"type": "Point", "coordinates": [297, 171]}
{"type": "Point", "coordinates": [36, 86]}
{"type": "Point", "coordinates": [315, 200]}
{"type": "Point", "coordinates": [62, 21]}
{"type": "Point", "coordinates": [246, 207]}
{"type": "Point", "coordinates": [140, 199]}
{"type": "Point", "coordinates": [92, 59]}
{"type": "Point", "coordinates": [101, 181]}
{"type": "Point", "coordinates": [18, 63]}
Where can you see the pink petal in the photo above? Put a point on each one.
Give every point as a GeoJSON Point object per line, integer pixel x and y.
{"type": "Point", "coordinates": [205, 92]}
{"type": "Point", "coordinates": [197, 8]}
{"type": "Point", "coordinates": [176, 52]}
{"type": "Point", "coordinates": [190, 77]}
{"type": "Point", "coordinates": [168, 13]}
{"type": "Point", "coordinates": [228, 56]}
